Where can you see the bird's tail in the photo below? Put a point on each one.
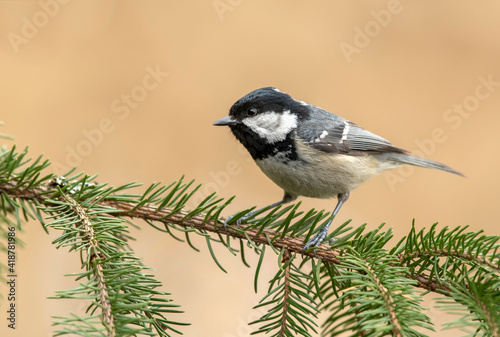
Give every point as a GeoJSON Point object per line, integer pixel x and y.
{"type": "Point", "coordinates": [417, 161]}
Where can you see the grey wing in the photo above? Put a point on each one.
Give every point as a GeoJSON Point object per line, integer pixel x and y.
{"type": "Point", "coordinates": [329, 133]}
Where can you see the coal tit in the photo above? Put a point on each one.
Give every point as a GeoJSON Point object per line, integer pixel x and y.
{"type": "Point", "coordinates": [308, 151]}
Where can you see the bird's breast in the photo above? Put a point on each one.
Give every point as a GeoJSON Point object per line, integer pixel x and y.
{"type": "Point", "coordinates": [318, 174]}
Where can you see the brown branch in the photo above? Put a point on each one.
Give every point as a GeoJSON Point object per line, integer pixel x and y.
{"type": "Point", "coordinates": [424, 282]}
{"type": "Point", "coordinates": [491, 320]}
{"type": "Point", "coordinates": [447, 252]}
{"type": "Point", "coordinates": [286, 296]}
{"type": "Point", "coordinates": [97, 267]}
{"type": "Point", "coordinates": [396, 327]}
{"type": "Point", "coordinates": [151, 213]}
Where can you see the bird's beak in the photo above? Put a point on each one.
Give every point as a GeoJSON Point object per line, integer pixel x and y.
{"type": "Point", "coordinates": [227, 121]}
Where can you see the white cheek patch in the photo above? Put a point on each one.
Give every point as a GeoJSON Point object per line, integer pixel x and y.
{"type": "Point", "coordinates": [272, 126]}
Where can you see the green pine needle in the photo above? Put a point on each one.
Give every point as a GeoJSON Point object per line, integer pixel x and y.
{"type": "Point", "coordinates": [365, 283]}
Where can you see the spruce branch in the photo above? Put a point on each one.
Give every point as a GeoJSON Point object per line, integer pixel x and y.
{"type": "Point", "coordinates": [374, 297]}
{"type": "Point", "coordinates": [286, 295]}
{"type": "Point", "coordinates": [478, 306]}
{"type": "Point", "coordinates": [291, 303]}
{"type": "Point", "coordinates": [388, 300]}
{"type": "Point", "coordinates": [255, 234]}
{"type": "Point", "coordinates": [364, 287]}
{"type": "Point", "coordinates": [97, 269]}
{"type": "Point", "coordinates": [451, 253]}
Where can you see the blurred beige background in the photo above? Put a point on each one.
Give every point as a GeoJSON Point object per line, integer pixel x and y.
{"type": "Point", "coordinates": [129, 90]}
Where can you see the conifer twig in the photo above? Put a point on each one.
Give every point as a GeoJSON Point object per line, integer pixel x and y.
{"type": "Point", "coordinates": [88, 229]}
{"type": "Point", "coordinates": [286, 258]}
{"type": "Point", "coordinates": [181, 218]}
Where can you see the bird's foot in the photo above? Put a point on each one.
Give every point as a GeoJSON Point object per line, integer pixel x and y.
{"type": "Point", "coordinates": [315, 241]}
{"type": "Point", "coordinates": [228, 219]}
{"type": "Point", "coordinates": [240, 220]}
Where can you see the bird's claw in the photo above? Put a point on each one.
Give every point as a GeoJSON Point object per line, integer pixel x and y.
{"type": "Point", "coordinates": [316, 241]}
{"type": "Point", "coordinates": [238, 222]}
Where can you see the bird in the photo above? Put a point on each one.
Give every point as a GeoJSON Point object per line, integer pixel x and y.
{"type": "Point", "coordinates": [311, 152]}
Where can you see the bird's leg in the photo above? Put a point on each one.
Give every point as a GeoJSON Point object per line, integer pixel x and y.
{"type": "Point", "coordinates": [286, 199]}
{"type": "Point", "coordinates": [323, 231]}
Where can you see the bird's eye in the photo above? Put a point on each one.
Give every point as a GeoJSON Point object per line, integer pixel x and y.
{"type": "Point", "coordinates": [251, 111]}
